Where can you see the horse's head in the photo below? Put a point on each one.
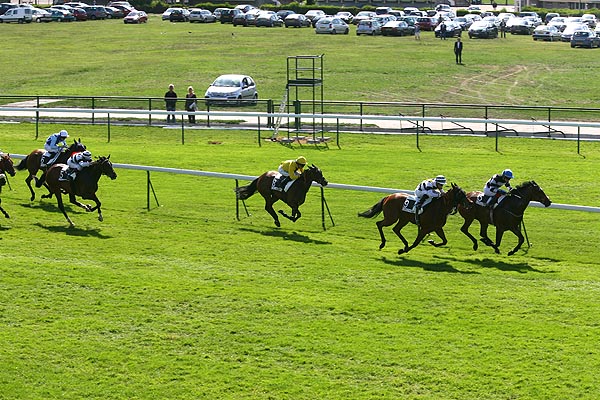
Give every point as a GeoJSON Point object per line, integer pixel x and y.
{"type": "Point", "coordinates": [76, 147]}
{"type": "Point", "coordinates": [539, 195]}
{"type": "Point", "coordinates": [6, 164]}
{"type": "Point", "coordinates": [314, 174]}
{"type": "Point", "coordinates": [106, 167]}
{"type": "Point", "coordinates": [457, 196]}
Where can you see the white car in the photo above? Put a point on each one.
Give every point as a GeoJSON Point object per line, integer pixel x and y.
{"type": "Point", "coordinates": [19, 14]}
{"type": "Point", "coordinates": [332, 26]}
{"type": "Point", "coordinates": [231, 87]}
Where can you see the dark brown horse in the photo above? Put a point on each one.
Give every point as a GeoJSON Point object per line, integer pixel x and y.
{"type": "Point", "coordinates": [33, 164]}
{"type": "Point", "coordinates": [432, 219]}
{"type": "Point", "coordinates": [6, 167]}
{"type": "Point", "coordinates": [507, 216]}
{"type": "Point", "coordinates": [294, 197]}
{"type": "Point", "coordinates": [85, 185]}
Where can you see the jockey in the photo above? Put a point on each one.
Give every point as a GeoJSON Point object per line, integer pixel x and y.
{"type": "Point", "coordinates": [290, 169]}
{"type": "Point", "coordinates": [492, 190]}
{"type": "Point", "coordinates": [53, 146]}
{"type": "Point", "coordinates": [428, 188]}
{"type": "Point", "coordinates": [77, 162]}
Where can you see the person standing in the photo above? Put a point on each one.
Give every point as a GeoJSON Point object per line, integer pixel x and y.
{"type": "Point", "coordinates": [503, 29]}
{"type": "Point", "coordinates": [191, 105]}
{"type": "Point", "coordinates": [443, 31]}
{"type": "Point", "coordinates": [458, 48]}
{"type": "Point", "coordinates": [171, 103]}
{"type": "Point", "coordinates": [417, 32]}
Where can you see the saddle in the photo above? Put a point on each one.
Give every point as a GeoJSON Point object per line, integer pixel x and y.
{"type": "Point", "coordinates": [48, 159]}
{"type": "Point", "coordinates": [64, 173]}
{"type": "Point", "coordinates": [281, 183]}
{"type": "Point", "coordinates": [411, 201]}
{"type": "Point", "coordinates": [483, 199]}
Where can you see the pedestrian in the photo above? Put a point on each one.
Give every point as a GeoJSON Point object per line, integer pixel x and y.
{"type": "Point", "coordinates": [191, 105]}
{"type": "Point", "coordinates": [503, 29]}
{"type": "Point", "coordinates": [443, 31]}
{"type": "Point", "coordinates": [171, 103]}
{"type": "Point", "coordinates": [458, 48]}
{"type": "Point", "coordinates": [417, 32]}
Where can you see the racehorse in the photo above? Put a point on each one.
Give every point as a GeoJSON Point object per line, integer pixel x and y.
{"type": "Point", "coordinates": [432, 219]}
{"type": "Point", "coordinates": [294, 197]}
{"type": "Point", "coordinates": [33, 164]}
{"type": "Point", "coordinates": [84, 186]}
{"type": "Point", "coordinates": [6, 166]}
{"type": "Point", "coordinates": [507, 216]}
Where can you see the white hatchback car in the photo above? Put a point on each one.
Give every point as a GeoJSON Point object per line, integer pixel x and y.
{"type": "Point", "coordinates": [332, 26]}
{"type": "Point", "coordinates": [231, 88]}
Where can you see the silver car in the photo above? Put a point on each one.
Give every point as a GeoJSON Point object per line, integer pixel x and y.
{"type": "Point", "coordinates": [332, 26]}
{"type": "Point", "coordinates": [200, 15]}
{"type": "Point", "coordinates": [231, 88]}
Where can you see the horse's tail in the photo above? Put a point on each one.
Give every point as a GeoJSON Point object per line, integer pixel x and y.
{"type": "Point", "coordinates": [244, 192]}
{"type": "Point", "coordinates": [23, 164]}
{"type": "Point", "coordinates": [373, 211]}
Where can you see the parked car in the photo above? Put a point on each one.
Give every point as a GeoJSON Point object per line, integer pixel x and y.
{"type": "Point", "coordinates": [217, 12]}
{"type": "Point", "coordinates": [464, 22]}
{"type": "Point", "coordinates": [124, 8]}
{"type": "Point", "coordinates": [95, 12]}
{"type": "Point", "coordinates": [244, 7]}
{"type": "Point", "coordinates": [113, 12]}
{"type": "Point", "coordinates": [571, 28]}
{"type": "Point", "coordinates": [136, 17]}
{"type": "Point", "coordinates": [483, 30]}
{"type": "Point", "coordinates": [549, 17]}
{"type": "Point", "coordinates": [246, 19]}
{"type": "Point", "coordinates": [426, 23]}
{"type": "Point", "coordinates": [533, 14]}
{"type": "Point", "coordinates": [269, 20]}
{"type": "Point", "coordinates": [314, 14]}
{"type": "Point", "coordinates": [296, 20]}
{"type": "Point", "coordinates": [19, 15]}
{"type": "Point", "coordinates": [41, 15]}
{"type": "Point", "coordinates": [227, 88]}
{"type": "Point", "coordinates": [80, 14]}
{"type": "Point", "coordinates": [179, 15]}
{"type": "Point", "coordinates": [6, 6]}
{"type": "Point", "coordinates": [546, 32]}
{"type": "Point", "coordinates": [345, 16]}
{"type": "Point", "coordinates": [589, 19]}
{"type": "Point", "coordinates": [228, 14]}
{"type": "Point", "coordinates": [520, 26]}
{"type": "Point", "coordinates": [453, 29]}
{"type": "Point", "coordinates": [559, 22]}
{"type": "Point", "coordinates": [368, 27]}
{"type": "Point", "coordinates": [61, 15]}
{"type": "Point", "coordinates": [585, 38]}
{"type": "Point", "coordinates": [282, 14]}
{"type": "Point", "coordinates": [200, 15]}
{"type": "Point", "coordinates": [384, 18]}
{"type": "Point", "coordinates": [166, 13]}
{"type": "Point", "coordinates": [397, 28]}
{"type": "Point", "coordinates": [332, 26]}
{"type": "Point", "coordinates": [363, 15]}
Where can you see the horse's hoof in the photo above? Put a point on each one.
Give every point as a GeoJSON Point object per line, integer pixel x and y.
{"type": "Point", "coordinates": [100, 218]}
{"type": "Point", "coordinates": [278, 224]}
{"type": "Point", "coordinates": [431, 242]}
{"type": "Point", "coordinates": [510, 253]}
{"type": "Point", "coordinates": [497, 251]}
{"type": "Point", "coordinates": [381, 246]}
{"type": "Point", "coordinates": [475, 246]}
{"type": "Point", "coordinates": [32, 198]}
{"type": "Point", "coordinates": [401, 251]}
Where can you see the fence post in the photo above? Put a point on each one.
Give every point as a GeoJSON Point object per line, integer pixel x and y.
{"type": "Point", "coordinates": [37, 118]}
{"type": "Point", "coordinates": [93, 114]}
{"type": "Point", "coordinates": [149, 110]}
{"type": "Point", "coordinates": [182, 129]}
{"type": "Point", "coordinates": [108, 126]}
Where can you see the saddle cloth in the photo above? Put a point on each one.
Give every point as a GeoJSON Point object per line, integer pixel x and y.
{"type": "Point", "coordinates": [275, 185]}
{"type": "Point", "coordinates": [409, 204]}
{"type": "Point", "coordinates": [64, 176]}
{"type": "Point", "coordinates": [482, 200]}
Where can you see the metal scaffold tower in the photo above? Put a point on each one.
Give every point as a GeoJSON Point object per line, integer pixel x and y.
{"type": "Point", "coordinates": [305, 74]}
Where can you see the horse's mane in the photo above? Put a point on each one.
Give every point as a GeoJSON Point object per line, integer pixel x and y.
{"type": "Point", "coordinates": [526, 184]}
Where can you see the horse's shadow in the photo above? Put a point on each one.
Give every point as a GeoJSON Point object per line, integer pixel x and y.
{"type": "Point", "coordinates": [520, 267]}
{"type": "Point", "coordinates": [443, 266]}
{"type": "Point", "coordinates": [74, 231]}
{"type": "Point", "coordinates": [294, 236]}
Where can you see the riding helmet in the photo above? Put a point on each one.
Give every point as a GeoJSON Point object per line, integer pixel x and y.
{"type": "Point", "coordinates": [301, 160]}
{"type": "Point", "coordinates": [63, 134]}
{"type": "Point", "coordinates": [440, 179]}
{"type": "Point", "coordinates": [507, 173]}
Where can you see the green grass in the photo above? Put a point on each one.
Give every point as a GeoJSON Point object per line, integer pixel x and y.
{"type": "Point", "coordinates": [108, 58]}
{"type": "Point", "coordinates": [185, 302]}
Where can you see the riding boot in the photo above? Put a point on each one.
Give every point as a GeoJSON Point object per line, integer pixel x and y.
{"type": "Point", "coordinates": [417, 212]}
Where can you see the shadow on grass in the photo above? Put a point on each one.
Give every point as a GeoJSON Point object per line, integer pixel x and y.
{"type": "Point", "coordinates": [443, 266]}
{"type": "Point", "coordinates": [74, 231]}
{"type": "Point", "coordinates": [520, 267]}
{"type": "Point", "coordinates": [294, 236]}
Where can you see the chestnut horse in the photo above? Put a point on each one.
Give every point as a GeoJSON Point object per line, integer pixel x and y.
{"type": "Point", "coordinates": [33, 164]}
{"type": "Point", "coordinates": [85, 185]}
{"type": "Point", "coordinates": [507, 216]}
{"type": "Point", "coordinates": [432, 219]}
{"type": "Point", "coordinates": [6, 166]}
{"type": "Point", "coordinates": [294, 197]}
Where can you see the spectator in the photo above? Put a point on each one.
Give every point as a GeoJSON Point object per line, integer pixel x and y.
{"type": "Point", "coordinates": [171, 103]}
{"type": "Point", "coordinates": [458, 47]}
{"type": "Point", "coordinates": [443, 31]}
{"type": "Point", "coordinates": [503, 29]}
{"type": "Point", "coordinates": [417, 32]}
{"type": "Point", "coordinates": [191, 105]}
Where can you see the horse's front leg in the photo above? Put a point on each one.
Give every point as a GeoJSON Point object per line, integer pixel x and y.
{"type": "Point", "coordinates": [397, 228]}
{"type": "Point", "coordinates": [465, 229]}
{"type": "Point", "coordinates": [28, 182]}
{"type": "Point", "coordinates": [271, 211]}
{"type": "Point", "coordinates": [295, 214]}
{"type": "Point", "coordinates": [518, 234]}
{"type": "Point", "coordinates": [421, 234]}
{"type": "Point", "coordinates": [61, 206]}
{"type": "Point", "coordinates": [49, 194]}
{"type": "Point", "coordinates": [442, 235]}
{"type": "Point", "coordinates": [4, 212]}
{"type": "Point", "coordinates": [73, 200]}
{"type": "Point", "coordinates": [483, 234]}
{"type": "Point", "coordinates": [96, 207]}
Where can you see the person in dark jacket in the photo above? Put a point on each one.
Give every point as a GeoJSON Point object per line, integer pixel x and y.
{"type": "Point", "coordinates": [458, 47]}
{"type": "Point", "coordinates": [191, 105]}
{"type": "Point", "coordinates": [171, 102]}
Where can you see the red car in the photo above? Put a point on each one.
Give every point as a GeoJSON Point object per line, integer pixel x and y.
{"type": "Point", "coordinates": [136, 17]}
{"type": "Point", "coordinates": [80, 14]}
{"type": "Point", "coordinates": [426, 23]}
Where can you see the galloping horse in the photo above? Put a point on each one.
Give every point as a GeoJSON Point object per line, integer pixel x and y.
{"type": "Point", "coordinates": [33, 160]}
{"type": "Point", "coordinates": [85, 185]}
{"type": "Point", "coordinates": [6, 166]}
{"type": "Point", "coordinates": [507, 216]}
{"type": "Point", "coordinates": [433, 218]}
{"type": "Point", "coordinates": [294, 197]}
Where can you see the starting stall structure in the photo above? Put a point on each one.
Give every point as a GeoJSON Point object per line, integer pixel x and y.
{"type": "Point", "coordinates": [304, 76]}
